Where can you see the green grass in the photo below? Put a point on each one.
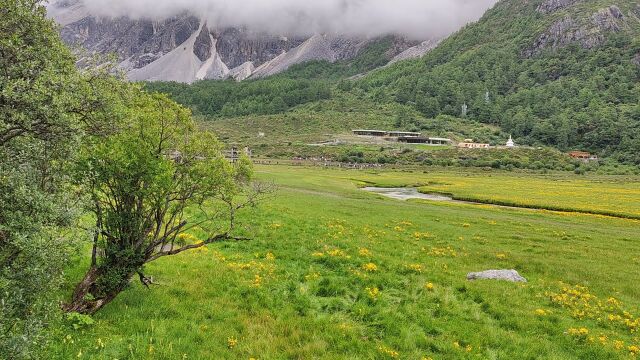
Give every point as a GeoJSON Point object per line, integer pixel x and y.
{"type": "Point", "coordinates": [307, 306]}
{"type": "Point", "coordinates": [323, 120]}
{"type": "Point", "coordinates": [616, 195]}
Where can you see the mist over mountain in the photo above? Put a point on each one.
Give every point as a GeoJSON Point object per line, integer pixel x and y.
{"type": "Point", "coordinates": [191, 40]}
{"type": "Point", "coordinates": [415, 19]}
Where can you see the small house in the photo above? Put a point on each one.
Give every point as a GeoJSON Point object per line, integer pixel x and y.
{"type": "Point", "coordinates": [583, 156]}
{"type": "Point", "coordinates": [404, 134]}
{"type": "Point", "coordinates": [424, 140]}
{"type": "Point", "coordinates": [377, 133]}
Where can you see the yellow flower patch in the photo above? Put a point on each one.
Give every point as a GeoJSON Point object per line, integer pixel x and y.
{"type": "Point", "coordinates": [232, 342]}
{"type": "Point", "coordinates": [429, 286]}
{"type": "Point", "coordinates": [370, 267]}
{"type": "Point", "coordinates": [364, 252]}
{"type": "Point", "coordinates": [388, 352]}
{"type": "Point", "coordinates": [417, 268]}
{"type": "Point", "coordinates": [441, 252]}
{"type": "Point", "coordinates": [373, 293]}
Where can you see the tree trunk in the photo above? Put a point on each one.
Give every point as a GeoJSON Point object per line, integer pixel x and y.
{"type": "Point", "coordinates": [79, 302]}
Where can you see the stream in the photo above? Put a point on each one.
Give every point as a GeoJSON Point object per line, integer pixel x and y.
{"type": "Point", "coordinates": [406, 194]}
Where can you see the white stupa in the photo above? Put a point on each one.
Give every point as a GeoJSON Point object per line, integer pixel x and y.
{"type": "Point", "coordinates": [511, 143]}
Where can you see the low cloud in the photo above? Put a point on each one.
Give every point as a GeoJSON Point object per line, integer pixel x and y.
{"type": "Point", "coordinates": [417, 19]}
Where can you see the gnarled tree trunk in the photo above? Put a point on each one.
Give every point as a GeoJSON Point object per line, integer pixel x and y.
{"type": "Point", "coordinates": [85, 299]}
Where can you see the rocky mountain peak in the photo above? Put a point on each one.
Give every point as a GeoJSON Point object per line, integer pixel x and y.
{"type": "Point", "coordinates": [184, 49]}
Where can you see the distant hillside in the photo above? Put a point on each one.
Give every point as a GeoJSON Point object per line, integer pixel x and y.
{"type": "Point", "coordinates": [301, 84]}
{"type": "Point", "coordinates": [558, 72]}
{"type": "Point", "coordinates": [561, 73]}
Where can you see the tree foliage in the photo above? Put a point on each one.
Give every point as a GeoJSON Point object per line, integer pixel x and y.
{"type": "Point", "coordinates": [153, 183]}
{"type": "Point", "coordinates": [229, 98]}
{"type": "Point", "coordinates": [38, 133]}
{"type": "Point", "coordinates": [48, 109]}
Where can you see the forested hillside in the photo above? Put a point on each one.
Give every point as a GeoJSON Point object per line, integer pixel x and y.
{"type": "Point", "coordinates": [299, 85]}
{"type": "Point", "coordinates": [562, 73]}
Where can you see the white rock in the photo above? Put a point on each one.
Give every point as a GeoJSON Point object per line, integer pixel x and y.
{"type": "Point", "coordinates": [415, 52]}
{"type": "Point", "coordinates": [507, 275]}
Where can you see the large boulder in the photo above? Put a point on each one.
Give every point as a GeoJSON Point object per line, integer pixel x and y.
{"type": "Point", "coordinates": [506, 275]}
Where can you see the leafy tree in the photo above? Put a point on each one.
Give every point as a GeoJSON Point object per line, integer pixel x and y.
{"type": "Point", "coordinates": [47, 110]}
{"type": "Point", "coordinates": [38, 135]}
{"type": "Point", "coordinates": [154, 184]}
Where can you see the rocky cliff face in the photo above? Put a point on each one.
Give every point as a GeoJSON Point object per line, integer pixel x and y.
{"type": "Point", "coordinates": [590, 32]}
{"type": "Point", "coordinates": [185, 49]}
{"type": "Point", "coordinates": [551, 6]}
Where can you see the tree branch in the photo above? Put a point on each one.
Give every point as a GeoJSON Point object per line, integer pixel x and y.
{"type": "Point", "coordinates": [211, 240]}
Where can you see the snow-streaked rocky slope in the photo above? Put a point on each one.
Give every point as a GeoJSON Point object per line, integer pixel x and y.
{"type": "Point", "coordinates": [184, 49]}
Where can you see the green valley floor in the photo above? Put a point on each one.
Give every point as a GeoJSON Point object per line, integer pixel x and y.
{"type": "Point", "coordinates": [333, 272]}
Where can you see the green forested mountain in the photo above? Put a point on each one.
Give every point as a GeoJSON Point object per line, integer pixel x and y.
{"type": "Point", "coordinates": [563, 73]}
{"type": "Point", "coordinates": [301, 84]}
{"type": "Point", "coordinates": [557, 72]}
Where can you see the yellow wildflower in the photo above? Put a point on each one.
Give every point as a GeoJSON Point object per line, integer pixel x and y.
{"type": "Point", "coordinates": [257, 281]}
{"type": "Point", "coordinates": [337, 253]}
{"type": "Point", "coordinates": [580, 333]}
{"type": "Point", "coordinates": [603, 339]}
{"type": "Point", "coordinates": [232, 342]}
{"type": "Point", "coordinates": [541, 312]}
{"type": "Point", "coordinates": [429, 286]}
{"type": "Point", "coordinates": [388, 352]}
{"type": "Point", "coordinates": [364, 252]}
{"type": "Point", "coordinates": [312, 276]}
{"type": "Point", "coordinates": [373, 293]}
{"type": "Point", "coordinates": [370, 267]}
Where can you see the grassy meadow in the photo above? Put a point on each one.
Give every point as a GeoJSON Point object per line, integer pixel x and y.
{"type": "Point", "coordinates": [333, 272]}
{"type": "Point", "coordinates": [615, 195]}
{"type": "Point", "coordinates": [323, 120]}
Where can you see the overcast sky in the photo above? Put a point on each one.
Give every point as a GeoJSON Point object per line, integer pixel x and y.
{"type": "Point", "coordinates": [419, 19]}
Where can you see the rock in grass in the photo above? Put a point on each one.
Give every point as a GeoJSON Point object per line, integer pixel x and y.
{"type": "Point", "coordinates": [507, 275]}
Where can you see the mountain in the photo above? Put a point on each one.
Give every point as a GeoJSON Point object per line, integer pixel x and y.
{"type": "Point", "coordinates": [560, 73]}
{"type": "Point", "coordinates": [564, 73]}
{"type": "Point", "coordinates": [185, 49]}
